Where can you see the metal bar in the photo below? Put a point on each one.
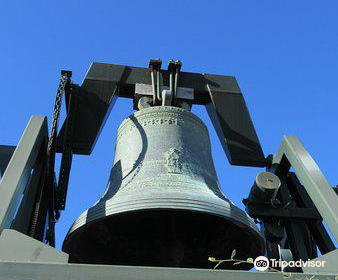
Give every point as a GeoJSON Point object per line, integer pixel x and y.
{"type": "Point", "coordinates": [67, 154]}
{"type": "Point", "coordinates": [62, 187]}
{"type": "Point", "coordinates": [153, 83]}
{"type": "Point", "coordinates": [231, 120]}
{"type": "Point", "coordinates": [233, 123]}
{"type": "Point", "coordinates": [158, 73]}
{"type": "Point", "coordinates": [36, 222]}
{"type": "Point", "coordinates": [18, 171]}
{"type": "Point", "coordinates": [171, 67]}
{"type": "Point", "coordinates": [39, 271]}
{"type": "Point", "coordinates": [272, 251]}
{"type": "Point", "coordinates": [314, 181]}
{"type": "Point", "coordinates": [321, 236]}
{"type": "Point", "coordinates": [6, 153]}
{"type": "Point", "coordinates": [296, 240]}
{"type": "Point", "coordinates": [127, 76]}
{"type": "Point", "coordinates": [177, 68]}
{"type": "Point", "coordinates": [269, 212]}
{"type": "Point", "coordinates": [316, 228]}
{"type": "Point", "coordinates": [24, 216]}
{"type": "Point", "coordinates": [102, 79]}
{"type": "Point", "coordinates": [39, 230]}
{"type": "Point", "coordinates": [272, 245]}
{"type": "Point", "coordinates": [299, 240]}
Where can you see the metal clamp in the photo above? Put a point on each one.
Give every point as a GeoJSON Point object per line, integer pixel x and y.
{"type": "Point", "coordinates": [155, 68]}
{"type": "Point", "coordinates": [167, 96]}
{"type": "Point", "coordinates": [174, 69]}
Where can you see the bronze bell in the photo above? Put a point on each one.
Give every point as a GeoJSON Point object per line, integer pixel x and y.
{"type": "Point", "coordinates": [163, 205]}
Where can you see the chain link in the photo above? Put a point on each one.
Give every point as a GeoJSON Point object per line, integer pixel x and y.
{"type": "Point", "coordinates": [56, 114]}
{"type": "Point", "coordinates": [50, 152]}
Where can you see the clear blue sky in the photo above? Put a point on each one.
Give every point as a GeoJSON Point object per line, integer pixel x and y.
{"type": "Point", "coordinates": [284, 55]}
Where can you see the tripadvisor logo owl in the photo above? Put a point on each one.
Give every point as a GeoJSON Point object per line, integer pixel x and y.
{"type": "Point", "coordinates": [261, 263]}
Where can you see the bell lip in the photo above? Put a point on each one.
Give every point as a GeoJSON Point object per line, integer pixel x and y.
{"type": "Point", "coordinates": [169, 109]}
{"type": "Point", "coordinates": [223, 208]}
{"type": "Point", "coordinates": [250, 226]}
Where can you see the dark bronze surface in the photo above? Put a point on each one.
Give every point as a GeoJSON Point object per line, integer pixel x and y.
{"type": "Point", "coordinates": [163, 205]}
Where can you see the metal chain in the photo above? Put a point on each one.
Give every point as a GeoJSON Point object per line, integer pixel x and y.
{"type": "Point", "coordinates": [57, 109]}
{"type": "Point", "coordinates": [50, 146]}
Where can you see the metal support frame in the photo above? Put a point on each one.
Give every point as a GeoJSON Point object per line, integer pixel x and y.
{"type": "Point", "coordinates": [18, 247]}
{"type": "Point", "coordinates": [314, 181]}
{"type": "Point", "coordinates": [67, 153]}
{"type": "Point", "coordinates": [293, 219]}
{"type": "Point", "coordinates": [18, 171]}
{"type": "Point", "coordinates": [315, 227]}
{"type": "Point", "coordinates": [39, 271]}
{"type": "Point", "coordinates": [23, 218]}
{"type": "Point", "coordinates": [220, 94]}
{"type": "Point", "coordinates": [227, 109]}
{"type": "Point", "coordinates": [6, 153]}
{"type": "Point", "coordinates": [311, 191]}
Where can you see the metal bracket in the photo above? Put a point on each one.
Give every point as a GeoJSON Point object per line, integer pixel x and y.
{"type": "Point", "coordinates": [220, 94]}
{"type": "Point", "coordinates": [67, 153]}
{"type": "Point", "coordinates": [18, 247]}
{"type": "Point", "coordinates": [313, 191]}
{"type": "Point", "coordinates": [146, 90]}
{"type": "Point", "coordinates": [266, 211]}
{"type": "Point", "coordinates": [155, 69]}
{"type": "Point", "coordinates": [167, 97]}
{"type": "Point", "coordinates": [314, 181]}
{"type": "Point", "coordinates": [18, 171]}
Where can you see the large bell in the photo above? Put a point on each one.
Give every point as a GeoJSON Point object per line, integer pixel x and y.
{"type": "Point", "coordinates": [163, 205]}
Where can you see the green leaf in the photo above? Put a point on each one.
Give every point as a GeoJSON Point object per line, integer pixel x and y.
{"type": "Point", "coordinates": [286, 275]}
{"type": "Point", "coordinates": [212, 259]}
{"type": "Point", "coordinates": [233, 254]}
{"type": "Point", "coordinates": [250, 260]}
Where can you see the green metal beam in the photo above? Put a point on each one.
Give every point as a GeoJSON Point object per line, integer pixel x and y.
{"type": "Point", "coordinates": [18, 171]}
{"type": "Point", "coordinates": [39, 271]}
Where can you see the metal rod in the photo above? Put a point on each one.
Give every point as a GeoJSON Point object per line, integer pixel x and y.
{"type": "Point", "coordinates": [159, 97]}
{"type": "Point", "coordinates": [171, 67]}
{"type": "Point", "coordinates": [177, 72]}
{"type": "Point", "coordinates": [153, 83]}
{"type": "Point", "coordinates": [175, 88]}
{"type": "Point", "coordinates": [171, 81]}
